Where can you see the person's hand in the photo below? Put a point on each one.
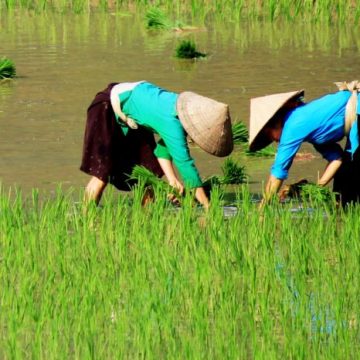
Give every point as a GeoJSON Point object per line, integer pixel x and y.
{"type": "Point", "coordinates": [292, 190]}
{"type": "Point", "coordinates": [131, 123]}
{"type": "Point", "coordinates": [176, 184]}
{"type": "Point", "coordinates": [178, 188]}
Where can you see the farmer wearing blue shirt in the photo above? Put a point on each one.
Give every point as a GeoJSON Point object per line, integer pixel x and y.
{"type": "Point", "coordinates": [323, 122]}
{"type": "Point", "coordinates": [119, 132]}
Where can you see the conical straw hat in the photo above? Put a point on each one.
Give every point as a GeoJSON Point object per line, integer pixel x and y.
{"type": "Point", "coordinates": [207, 122]}
{"type": "Point", "coordinates": [262, 109]}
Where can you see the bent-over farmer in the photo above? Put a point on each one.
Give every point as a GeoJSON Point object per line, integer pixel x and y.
{"type": "Point", "coordinates": [119, 134]}
{"type": "Point", "coordinates": [323, 122]}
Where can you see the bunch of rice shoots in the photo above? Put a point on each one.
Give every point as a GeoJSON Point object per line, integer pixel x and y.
{"type": "Point", "coordinates": [146, 177]}
{"type": "Point", "coordinates": [240, 132]}
{"type": "Point", "coordinates": [7, 68]}
{"type": "Point", "coordinates": [186, 49]}
{"type": "Point", "coordinates": [268, 151]}
{"type": "Point", "coordinates": [233, 173]}
{"type": "Point", "coordinates": [316, 193]}
{"type": "Point", "coordinates": [156, 19]}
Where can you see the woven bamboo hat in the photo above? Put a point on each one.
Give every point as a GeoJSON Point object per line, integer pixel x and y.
{"type": "Point", "coordinates": [262, 110]}
{"type": "Point", "coordinates": [207, 122]}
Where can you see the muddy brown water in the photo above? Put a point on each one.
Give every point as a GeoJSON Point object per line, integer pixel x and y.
{"type": "Point", "coordinates": [63, 60]}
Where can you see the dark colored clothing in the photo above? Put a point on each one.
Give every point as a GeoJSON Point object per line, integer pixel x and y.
{"type": "Point", "coordinates": [110, 155]}
{"type": "Point", "coordinates": [347, 178]}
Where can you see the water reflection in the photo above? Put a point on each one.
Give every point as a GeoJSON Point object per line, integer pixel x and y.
{"type": "Point", "coordinates": [63, 60]}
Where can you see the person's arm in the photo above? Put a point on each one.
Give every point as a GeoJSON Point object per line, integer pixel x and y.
{"type": "Point", "coordinates": [201, 197]}
{"type": "Point", "coordinates": [330, 170]}
{"type": "Point", "coordinates": [115, 103]}
{"type": "Point", "coordinates": [173, 180]}
{"type": "Point", "coordinates": [168, 169]}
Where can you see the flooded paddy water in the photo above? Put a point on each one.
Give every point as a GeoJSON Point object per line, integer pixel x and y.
{"type": "Point", "coordinates": [63, 60]}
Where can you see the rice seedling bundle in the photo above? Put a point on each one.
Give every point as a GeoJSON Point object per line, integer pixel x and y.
{"type": "Point", "coordinates": [186, 49]}
{"type": "Point", "coordinates": [7, 68]}
{"type": "Point", "coordinates": [240, 132]}
{"type": "Point", "coordinates": [156, 19]}
{"type": "Point", "coordinates": [268, 151]}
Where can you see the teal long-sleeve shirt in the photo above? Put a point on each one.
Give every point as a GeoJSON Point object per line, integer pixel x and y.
{"type": "Point", "coordinates": [155, 108]}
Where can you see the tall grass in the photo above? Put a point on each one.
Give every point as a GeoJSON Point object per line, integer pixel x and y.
{"type": "Point", "coordinates": [124, 281]}
{"type": "Point", "coordinates": [313, 11]}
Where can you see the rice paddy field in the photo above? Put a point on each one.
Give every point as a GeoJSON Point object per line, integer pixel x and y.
{"type": "Point", "coordinates": [342, 11]}
{"type": "Point", "coordinates": [123, 281]}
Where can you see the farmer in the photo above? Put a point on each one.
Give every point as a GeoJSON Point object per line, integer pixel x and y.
{"type": "Point", "coordinates": [286, 119]}
{"type": "Point", "coordinates": [119, 134]}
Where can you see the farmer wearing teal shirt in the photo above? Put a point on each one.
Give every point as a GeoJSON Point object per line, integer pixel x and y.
{"type": "Point", "coordinates": [119, 135]}
{"type": "Point", "coordinates": [323, 122]}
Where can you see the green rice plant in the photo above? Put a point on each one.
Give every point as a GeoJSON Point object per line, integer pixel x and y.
{"type": "Point", "coordinates": [240, 132]}
{"type": "Point", "coordinates": [123, 281]}
{"type": "Point", "coordinates": [186, 49]}
{"type": "Point", "coordinates": [7, 68]}
{"type": "Point", "coordinates": [325, 11]}
{"type": "Point", "coordinates": [148, 178]}
{"type": "Point", "coordinates": [315, 193]}
{"type": "Point", "coordinates": [156, 19]}
{"type": "Point", "coordinates": [233, 173]}
{"type": "Point", "coordinates": [268, 151]}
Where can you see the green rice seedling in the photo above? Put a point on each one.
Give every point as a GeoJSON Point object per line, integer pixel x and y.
{"type": "Point", "coordinates": [240, 132]}
{"type": "Point", "coordinates": [153, 184]}
{"type": "Point", "coordinates": [268, 151]}
{"type": "Point", "coordinates": [147, 177]}
{"type": "Point", "coordinates": [7, 68]}
{"type": "Point", "coordinates": [186, 49]}
{"type": "Point", "coordinates": [315, 193]}
{"type": "Point", "coordinates": [156, 19]}
{"type": "Point", "coordinates": [233, 173]}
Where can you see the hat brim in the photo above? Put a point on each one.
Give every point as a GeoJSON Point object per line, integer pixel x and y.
{"type": "Point", "coordinates": [260, 142]}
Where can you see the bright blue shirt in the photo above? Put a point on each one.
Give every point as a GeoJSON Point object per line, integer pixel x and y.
{"type": "Point", "coordinates": [319, 122]}
{"type": "Point", "coordinates": [155, 108]}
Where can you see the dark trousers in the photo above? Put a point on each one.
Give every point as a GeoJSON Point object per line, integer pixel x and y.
{"type": "Point", "coordinates": [347, 178]}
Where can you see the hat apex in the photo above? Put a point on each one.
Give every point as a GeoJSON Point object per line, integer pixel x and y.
{"type": "Point", "coordinates": [207, 122]}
